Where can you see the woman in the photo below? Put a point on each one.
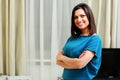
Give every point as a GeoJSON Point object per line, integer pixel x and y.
{"type": "Point", "coordinates": [81, 55]}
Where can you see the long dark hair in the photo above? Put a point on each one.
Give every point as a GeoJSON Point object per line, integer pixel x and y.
{"type": "Point", "coordinates": [92, 27]}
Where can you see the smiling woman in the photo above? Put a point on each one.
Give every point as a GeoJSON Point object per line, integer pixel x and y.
{"type": "Point", "coordinates": [81, 55]}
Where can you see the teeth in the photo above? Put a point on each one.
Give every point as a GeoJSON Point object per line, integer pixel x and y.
{"type": "Point", "coordinates": [80, 24]}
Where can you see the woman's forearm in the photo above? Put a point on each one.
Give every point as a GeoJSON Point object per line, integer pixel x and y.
{"type": "Point", "coordinates": [64, 65]}
{"type": "Point", "coordinates": [66, 62]}
{"type": "Point", "coordinates": [74, 63]}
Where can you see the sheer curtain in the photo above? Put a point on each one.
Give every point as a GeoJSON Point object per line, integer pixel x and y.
{"type": "Point", "coordinates": [118, 25]}
{"type": "Point", "coordinates": [105, 12]}
{"type": "Point", "coordinates": [12, 37]}
{"type": "Point", "coordinates": [48, 27]}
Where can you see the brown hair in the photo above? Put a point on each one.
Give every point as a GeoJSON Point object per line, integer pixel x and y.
{"type": "Point", "coordinates": [92, 27]}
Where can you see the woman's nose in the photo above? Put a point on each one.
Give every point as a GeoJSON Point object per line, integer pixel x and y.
{"type": "Point", "coordinates": [79, 18]}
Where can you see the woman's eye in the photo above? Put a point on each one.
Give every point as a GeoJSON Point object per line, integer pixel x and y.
{"type": "Point", "coordinates": [75, 17]}
{"type": "Point", "coordinates": [82, 16]}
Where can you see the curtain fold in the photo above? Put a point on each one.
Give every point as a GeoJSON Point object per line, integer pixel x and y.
{"type": "Point", "coordinates": [20, 39]}
{"type": "Point", "coordinates": [42, 40]}
{"type": "Point", "coordinates": [118, 24]}
{"type": "Point", "coordinates": [114, 24]}
{"type": "Point", "coordinates": [107, 28]}
{"type": "Point", "coordinates": [54, 39]}
{"type": "Point", "coordinates": [12, 37]}
{"type": "Point", "coordinates": [1, 51]}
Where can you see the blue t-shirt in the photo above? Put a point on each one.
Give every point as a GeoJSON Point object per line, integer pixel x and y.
{"type": "Point", "coordinates": [73, 49]}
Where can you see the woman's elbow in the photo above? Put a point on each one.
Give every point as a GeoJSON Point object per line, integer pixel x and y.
{"type": "Point", "coordinates": [80, 66]}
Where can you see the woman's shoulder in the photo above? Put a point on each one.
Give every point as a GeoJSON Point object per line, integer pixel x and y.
{"type": "Point", "coordinates": [96, 36]}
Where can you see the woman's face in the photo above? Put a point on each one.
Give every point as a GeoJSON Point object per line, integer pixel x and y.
{"type": "Point", "coordinates": [80, 19]}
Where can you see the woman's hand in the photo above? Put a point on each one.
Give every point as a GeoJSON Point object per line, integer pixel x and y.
{"type": "Point", "coordinates": [60, 55]}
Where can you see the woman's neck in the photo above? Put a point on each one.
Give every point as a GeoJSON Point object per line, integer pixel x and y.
{"type": "Point", "coordinates": [85, 32]}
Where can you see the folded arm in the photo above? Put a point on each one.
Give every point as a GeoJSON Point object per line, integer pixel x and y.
{"type": "Point", "coordinates": [74, 63]}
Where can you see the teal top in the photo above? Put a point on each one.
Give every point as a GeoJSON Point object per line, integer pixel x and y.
{"type": "Point", "coordinates": [73, 49]}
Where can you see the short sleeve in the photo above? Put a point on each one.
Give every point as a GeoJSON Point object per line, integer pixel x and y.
{"type": "Point", "coordinates": [95, 45]}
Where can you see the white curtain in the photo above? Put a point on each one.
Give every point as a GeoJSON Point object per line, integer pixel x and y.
{"type": "Point", "coordinates": [48, 27]}
{"type": "Point", "coordinates": [12, 37]}
{"type": "Point", "coordinates": [105, 12]}
{"type": "Point", "coordinates": [118, 25]}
